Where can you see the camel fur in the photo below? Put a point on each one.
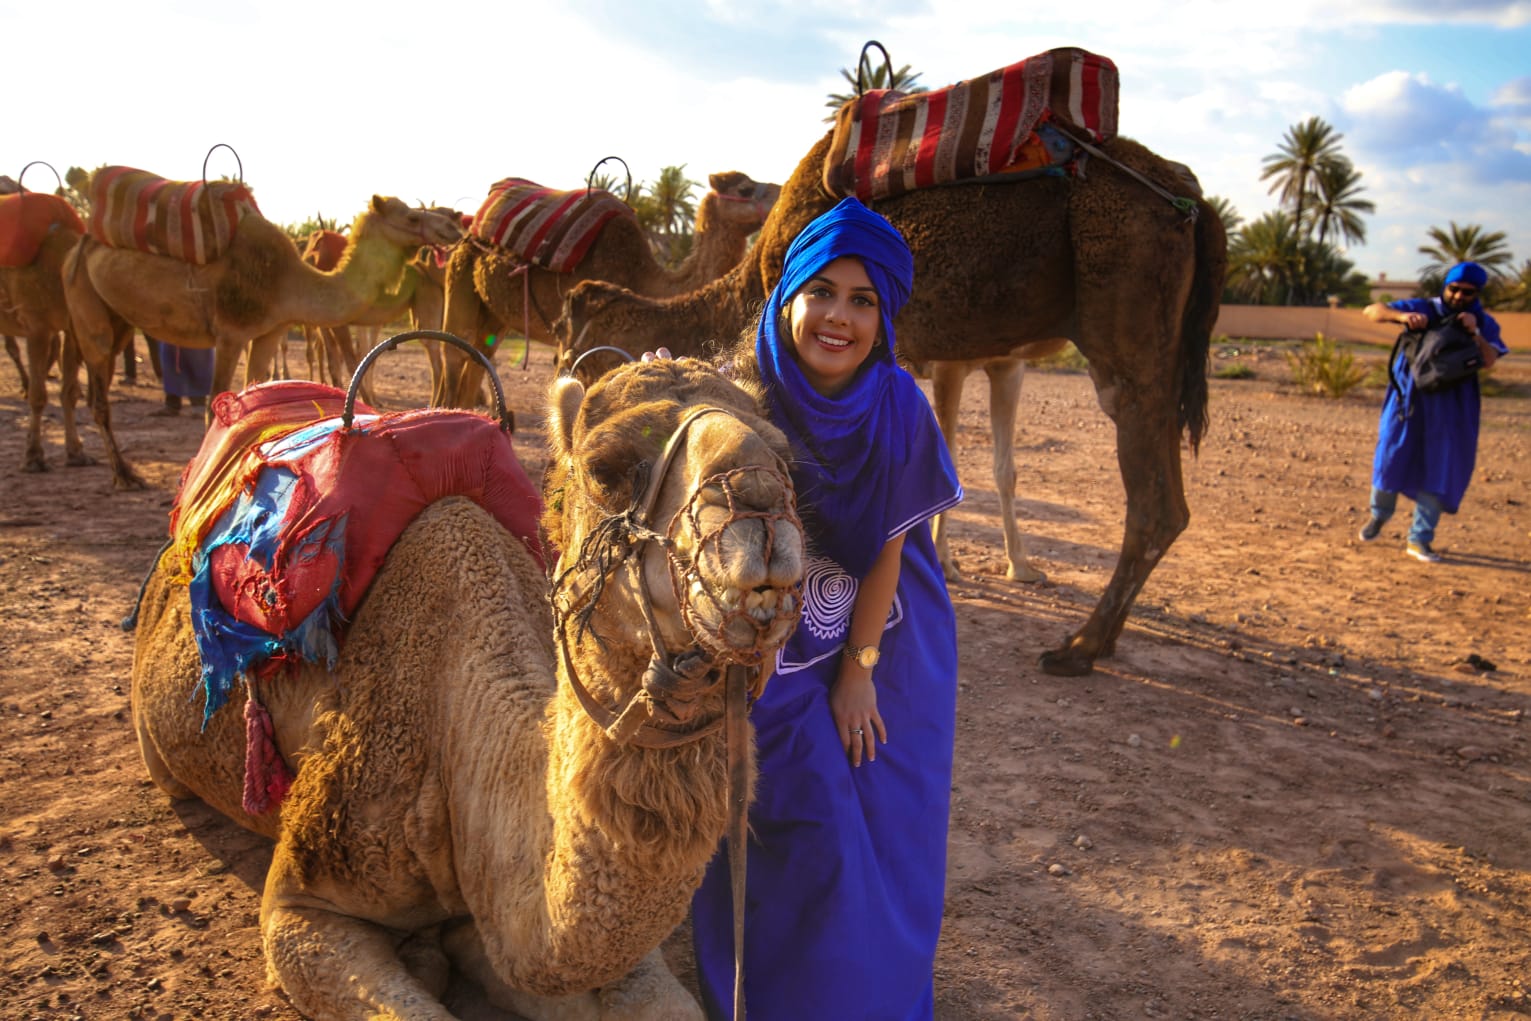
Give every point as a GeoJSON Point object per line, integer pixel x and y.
{"type": "Point", "coordinates": [485, 289]}
{"type": "Point", "coordinates": [1098, 259]}
{"type": "Point", "coordinates": [248, 297]}
{"type": "Point", "coordinates": [453, 802]}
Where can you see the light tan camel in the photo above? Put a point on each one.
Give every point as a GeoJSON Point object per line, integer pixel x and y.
{"type": "Point", "coordinates": [1004, 375]}
{"type": "Point", "coordinates": [32, 306]}
{"type": "Point", "coordinates": [1100, 259]}
{"type": "Point", "coordinates": [485, 288]}
{"type": "Point", "coordinates": [447, 775]}
{"type": "Point", "coordinates": [332, 352]}
{"type": "Point", "coordinates": [249, 296]}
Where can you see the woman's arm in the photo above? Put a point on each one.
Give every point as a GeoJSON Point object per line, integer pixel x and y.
{"type": "Point", "coordinates": [853, 699]}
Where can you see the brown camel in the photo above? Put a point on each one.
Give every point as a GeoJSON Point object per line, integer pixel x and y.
{"type": "Point", "coordinates": [247, 297]}
{"type": "Point", "coordinates": [1100, 259]}
{"type": "Point", "coordinates": [448, 777]}
{"type": "Point", "coordinates": [485, 287]}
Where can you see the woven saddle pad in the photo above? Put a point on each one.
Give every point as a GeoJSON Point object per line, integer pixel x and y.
{"type": "Point", "coordinates": [193, 221]}
{"type": "Point", "coordinates": [25, 220]}
{"type": "Point", "coordinates": [886, 143]}
{"type": "Point", "coordinates": [551, 229]}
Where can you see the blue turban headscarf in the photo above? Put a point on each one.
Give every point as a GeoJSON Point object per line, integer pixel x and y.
{"type": "Point", "coordinates": [847, 446]}
{"type": "Point", "coordinates": [1466, 273]}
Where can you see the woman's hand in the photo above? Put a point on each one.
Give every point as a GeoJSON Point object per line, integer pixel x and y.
{"type": "Point", "coordinates": [853, 702]}
{"type": "Point", "coordinates": [649, 356]}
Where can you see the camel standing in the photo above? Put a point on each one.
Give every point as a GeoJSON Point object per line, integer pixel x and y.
{"type": "Point", "coordinates": [32, 306]}
{"type": "Point", "coordinates": [1099, 259]}
{"type": "Point", "coordinates": [447, 772]}
{"type": "Point", "coordinates": [247, 297]}
{"type": "Point", "coordinates": [487, 289]}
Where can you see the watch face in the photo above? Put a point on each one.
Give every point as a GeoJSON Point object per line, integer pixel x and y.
{"type": "Point", "coordinates": [867, 657]}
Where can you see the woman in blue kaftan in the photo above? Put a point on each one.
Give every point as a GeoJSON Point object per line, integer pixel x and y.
{"type": "Point", "coordinates": [1427, 443]}
{"type": "Point", "coordinates": [846, 862]}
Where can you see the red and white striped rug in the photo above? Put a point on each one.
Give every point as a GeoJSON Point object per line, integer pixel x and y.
{"type": "Point", "coordinates": [551, 229]}
{"type": "Point", "coordinates": [886, 143]}
{"type": "Point", "coordinates": [193, 221]}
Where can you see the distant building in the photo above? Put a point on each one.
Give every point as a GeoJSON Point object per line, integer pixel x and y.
{"type": "Point", "coordinates": [1383, 289]}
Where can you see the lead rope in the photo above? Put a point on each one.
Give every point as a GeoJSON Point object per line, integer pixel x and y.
{"type": "Point", "coordinates": [736, 705]}
{"type": "Point", "coordinates": [1188, 207]}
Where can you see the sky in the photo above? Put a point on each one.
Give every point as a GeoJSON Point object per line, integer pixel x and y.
{"type": "Point", "coordinates": [326, 102]}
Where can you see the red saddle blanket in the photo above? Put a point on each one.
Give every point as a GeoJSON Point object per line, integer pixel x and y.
{"type": "Point", "coordinates": [193, 221]}
{"type": "Point", "coordinates": [551, 229]}
{"type": "Point", "coordinates": [886, 143]}
{"type": "Point", "coordinates": [324, 249]}
{"type": "Point", "coordinates": [25, 220]}
{"type": "Point", "coordinates": [365, 484]}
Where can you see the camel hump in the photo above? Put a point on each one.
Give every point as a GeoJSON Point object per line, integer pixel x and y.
{"type": "Point", "coordinates": [551, 229]}
{"type": "Point", "coordinates": [886, 143]}
{"type": "Point", "coordinates": [194, 221]}
{"type": "Point", "coordinates": [26, 219]}
{"type": "Point", "coordinates": [284, 517]}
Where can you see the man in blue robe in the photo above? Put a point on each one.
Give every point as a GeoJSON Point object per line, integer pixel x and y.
{"type": "Point", "coordinates": [1427, 442]}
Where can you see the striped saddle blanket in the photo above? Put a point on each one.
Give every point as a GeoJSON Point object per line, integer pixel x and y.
{"type": "Point", "coordinates": [886, 143]}
{"type": "Point", "coordinates": [551, 229]}
{"type": "Point", "coordinates": [25, 220]}
{"type": "Point", "coordinates": [193, 221]}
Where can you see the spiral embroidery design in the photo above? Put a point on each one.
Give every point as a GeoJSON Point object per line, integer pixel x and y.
{"type": "Point", "coordinates": [828, 596]}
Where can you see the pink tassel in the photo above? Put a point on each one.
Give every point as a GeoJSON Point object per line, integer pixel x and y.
{"type": "Point", "coordinates": [267, 777]}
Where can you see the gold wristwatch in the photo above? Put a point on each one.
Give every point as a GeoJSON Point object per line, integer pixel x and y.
{"type": "Point", "coordinates": [866, 655]}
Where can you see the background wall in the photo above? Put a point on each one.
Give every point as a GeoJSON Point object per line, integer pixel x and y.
{"type": "Point", "coordinates": [1270, 322]}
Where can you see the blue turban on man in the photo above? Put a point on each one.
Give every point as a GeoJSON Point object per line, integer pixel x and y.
{"type": "Point", "coordinates": [1469, 273]}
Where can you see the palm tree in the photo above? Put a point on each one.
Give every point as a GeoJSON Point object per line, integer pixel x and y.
{"type": "Point", "coordinates": [902, 80]}
{"type": "Point", "coordinates": [1307, 148]}
{"type": "Point", "coordinates": [1337, 202]}
{"type": "Point", "coordinates": [1515, 290]}
{"type": "Point", "coordinates": [1462, 244]}
{"type": "Point", "coordinates": [1264, 259]}
{"type": "Point", "coordinates": [1225, 212]}
{"type": "Point", "coordinates": [668, 212]}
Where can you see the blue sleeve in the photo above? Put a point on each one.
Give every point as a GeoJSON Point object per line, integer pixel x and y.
{"type": "Point", "coordinates": [927, 481]}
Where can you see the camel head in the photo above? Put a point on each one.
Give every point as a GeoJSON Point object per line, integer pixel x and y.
{"type": "Point", "coordinates": [409, 226]}
{"type": "Point", "coordinates": [670, 506]}
{"type": "Point", "coordinates": [599, 313]}
{"type": "Point", "coordinates": [736, 198]}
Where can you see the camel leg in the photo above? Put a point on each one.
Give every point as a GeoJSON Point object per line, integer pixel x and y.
{"type": "Point", "coordinates": [946, 380]}
{"type": "Point", "coordinates": [14, 350]}
{"type": "Point", "coordinates": [1005, 376]}
{"type": "Point", "coordinates": [305, 946]}
{"type": "Point", "coordinates": [37, 400]}
{"type": "Point", "coordinates": [650, 992]}
{"type": "Point", "coordinates": [258, 367]}
{"type": "Point", "coordinates": [1141, 400]}
{"type": "Point", "coordinates": [69, 400]}
{"type": "Point", "coordinates": [101, 334]}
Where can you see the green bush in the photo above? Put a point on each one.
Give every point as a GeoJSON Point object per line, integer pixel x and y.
{"type": "Point", "coordinates": [1067, 360]}
{"type": "Point", "coordinates": [1324, 369]}
{"type": "Point", "coordinates": [1234, 370]}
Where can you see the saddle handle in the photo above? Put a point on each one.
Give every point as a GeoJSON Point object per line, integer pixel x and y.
{"type": "Point", "coordinates": [34, 163]}
{"type": "Point", "coordinates": [590, 178]}
{"type": "Point", "coordinates": [507, 422]}
{"type": "Point", "coordinates": [863, 64]}
{"type": "Point", "coordinates": [237, 160]}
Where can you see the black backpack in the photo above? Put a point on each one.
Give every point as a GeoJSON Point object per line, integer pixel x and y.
{"type": "Point", "coordinates": [1441, 356]}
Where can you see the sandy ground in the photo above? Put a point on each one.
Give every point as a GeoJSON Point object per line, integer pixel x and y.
{"type": "Point", "coordinates": [1300, 789]}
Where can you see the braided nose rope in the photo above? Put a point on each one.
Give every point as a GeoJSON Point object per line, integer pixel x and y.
{"type": "Point", "coordinates": [772, 604]}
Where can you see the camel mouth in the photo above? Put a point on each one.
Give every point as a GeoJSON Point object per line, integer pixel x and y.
{"type": "Point", "coordinates": [738, 564]}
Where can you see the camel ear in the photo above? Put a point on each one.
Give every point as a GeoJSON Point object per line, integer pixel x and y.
{"type": "Point", "coordinates": [563, 408]}
{"type": "Point", "coordinates": [378, 203]}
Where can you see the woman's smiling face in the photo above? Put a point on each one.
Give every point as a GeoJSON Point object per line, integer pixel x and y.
{"type": "Point", "coordinates": [835, 320]}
